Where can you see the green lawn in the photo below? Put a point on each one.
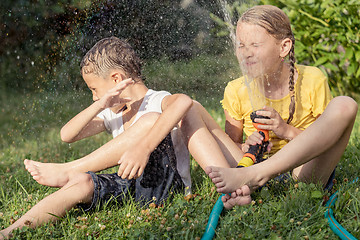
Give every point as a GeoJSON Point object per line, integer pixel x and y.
{"type": "Point", "coordinates": [29, 128]}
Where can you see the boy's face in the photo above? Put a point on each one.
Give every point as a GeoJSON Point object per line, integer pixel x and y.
{"type": "Point", "coordinates": [98, 85]}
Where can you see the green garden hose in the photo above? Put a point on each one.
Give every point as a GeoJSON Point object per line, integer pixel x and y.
{"type": "Point", "coordinates": [335, 225]}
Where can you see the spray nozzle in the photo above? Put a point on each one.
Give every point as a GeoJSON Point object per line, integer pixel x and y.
{"type": "Point", "coordinates": [256, 152]}
{"type": "Point", "coordinates": [254, 115]}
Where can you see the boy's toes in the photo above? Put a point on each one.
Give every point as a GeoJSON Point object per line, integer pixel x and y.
{"type": "Point", "coordinates": [245, 190]}
{"type": "Point", "coordinates": [28, 164]}
{"type": "Point", "coordinates": [228, 205]}
{"type": "Point", "coordinates": [31, 170]}
{"type": "Point", "coordinates": [36, 177]}
{"type": "Point", "coordinates": [221, 189]}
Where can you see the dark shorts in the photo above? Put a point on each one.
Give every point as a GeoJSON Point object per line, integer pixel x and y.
{"type": "Point", "coordinates": [159, 180]}
{"type": "Point", "coordinates": [330, 182]}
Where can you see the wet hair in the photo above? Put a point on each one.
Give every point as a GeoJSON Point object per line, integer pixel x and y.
{"type": "Point", "coordinates": [111, 53]}
{"type": "Point", "coordinates": [277, 24]}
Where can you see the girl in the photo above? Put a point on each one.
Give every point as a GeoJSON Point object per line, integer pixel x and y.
{"type": "Point", "coordinates": [312, 132]}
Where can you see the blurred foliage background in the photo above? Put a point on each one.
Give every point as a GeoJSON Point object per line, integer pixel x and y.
{"type": "Point", "coordinates": [326, 33]}
{"type": "Point", "coordinates": [186, 48]}
{"type": "Point", "coordinates": [42, 41]}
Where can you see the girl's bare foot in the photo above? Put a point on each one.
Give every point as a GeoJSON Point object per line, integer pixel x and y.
{"type": "Point", "coordinates": [227, 180]}
{"type": "Point", "coordinates": [240, 197]}
{"type": "Point", "coordinates": [47, 174]}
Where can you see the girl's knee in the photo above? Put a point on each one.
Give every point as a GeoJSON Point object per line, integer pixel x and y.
{"type": "Point", "coordinates": [346, 107]}
{"type": "Point", "coordinates": [189, 117]}
{"type": "Point", "coordinates": [197, 106]}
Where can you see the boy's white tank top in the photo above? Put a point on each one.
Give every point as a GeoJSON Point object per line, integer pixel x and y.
{"type": "Point", "coordinates": [152, 103]}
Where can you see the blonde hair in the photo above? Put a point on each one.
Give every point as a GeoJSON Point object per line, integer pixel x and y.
{"type": "Point", "coordinates": [111, 53]}
{"type": "Point", "coordinates": [277, 24]}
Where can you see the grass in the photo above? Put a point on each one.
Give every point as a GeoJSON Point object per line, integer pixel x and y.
{"type": "Point", "coordinates": [29, 128]}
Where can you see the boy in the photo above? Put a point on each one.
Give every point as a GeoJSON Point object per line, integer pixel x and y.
{"type": "Point", "coordinates": [124, 106]}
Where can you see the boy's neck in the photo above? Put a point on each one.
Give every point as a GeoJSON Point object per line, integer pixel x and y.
{"type": "Point", "coordinates": [135, 92]}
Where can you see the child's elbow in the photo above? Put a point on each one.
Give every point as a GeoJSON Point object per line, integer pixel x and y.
{"type": "Point", "coordinates": [64, 137]}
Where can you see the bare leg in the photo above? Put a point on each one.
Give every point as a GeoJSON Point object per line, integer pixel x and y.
{"type": "Point", "coordinates": [207, 142]}
{"type": "Point", "coordinates": [313, 154]}
{"type": "Point", "coordinates": [77, 190]}
{"type": "Point", "coordinates": [57, 175]}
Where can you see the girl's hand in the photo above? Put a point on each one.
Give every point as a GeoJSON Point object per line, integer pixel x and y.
{"type": "Point", "coordinates": [275, 123]}
{"type": "Point", "coordinates": [111, 97]}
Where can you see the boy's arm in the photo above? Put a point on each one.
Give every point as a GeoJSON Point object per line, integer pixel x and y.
{"type": "Point", "coordinates": [133, 162]}
{"type": "Point", "coordinates": [84, 124]}
{"type": "Point", "coordinates": [174, 109]}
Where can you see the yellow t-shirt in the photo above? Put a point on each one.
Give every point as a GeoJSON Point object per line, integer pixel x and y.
{"type": "Point", "coordinates": [312, 94]}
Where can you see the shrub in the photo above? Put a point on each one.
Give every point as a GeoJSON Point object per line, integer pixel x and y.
{"type": "Point", "coordinates": [327, 35]}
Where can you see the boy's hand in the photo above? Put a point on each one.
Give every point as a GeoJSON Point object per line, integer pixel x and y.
{"type": "Point", "coordinates": [111, 97]}
{"type": "Point", "coordinates": [253, 139]}
{"type": "Point", "coordinates": [133, 162]}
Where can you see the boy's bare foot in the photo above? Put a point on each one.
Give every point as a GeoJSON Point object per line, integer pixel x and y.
{"type": "Point", "coordinates": [47, 174]}
{"type": "Point", "coordinates": [240, 197]}
{"type": "Point", "coordinates": [227, 180]}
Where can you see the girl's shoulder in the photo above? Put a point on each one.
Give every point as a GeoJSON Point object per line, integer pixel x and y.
{"type": "Point", "coordinates": [310, 75]}
{"type": "Point", "coordinates": [237, 84]}
{"type": "Point", "coordinates": [237, 81]}
{"type": "Point", "coordinates": [310, 71]}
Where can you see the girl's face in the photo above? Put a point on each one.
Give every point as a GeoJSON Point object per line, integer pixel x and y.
{"type": "Point", "coordinates": [257, 51]}
{"type": "Point", "coordinates": [98, 85]}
